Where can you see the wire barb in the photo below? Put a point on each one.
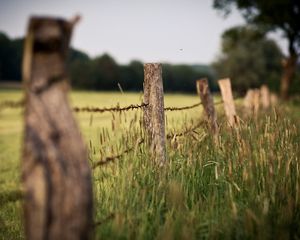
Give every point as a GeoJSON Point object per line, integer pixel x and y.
{"type": "Point", "coordinates": [112, 109]}
{"type": "Point", "coordinates": [187, 131]}
{"type": "Point", "coordinates": [107, 160]}
{"type": "Point", "coordinates": [11, 104]}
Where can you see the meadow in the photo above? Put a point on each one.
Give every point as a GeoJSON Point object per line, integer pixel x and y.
{"type": "Point", "coordinates": [245, 186]}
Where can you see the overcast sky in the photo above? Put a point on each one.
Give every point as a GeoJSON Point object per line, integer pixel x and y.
{"type": "Point", "coordinates": [176, 31]}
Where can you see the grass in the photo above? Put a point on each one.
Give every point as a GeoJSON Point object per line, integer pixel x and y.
{"type": "Point", "coordinates": [246, 187]}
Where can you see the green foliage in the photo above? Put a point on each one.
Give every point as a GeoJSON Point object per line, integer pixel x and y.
{"type": "Point", "coordinates": [249, 59]}
{"type": "Point", "coordinates": [103, 72]}
{"type": "Point", "coordinates": [10, 57]}
{"type": "Point", "coordinates": [270, 15]}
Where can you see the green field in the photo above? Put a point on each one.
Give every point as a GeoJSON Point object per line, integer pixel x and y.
{"type": "Point", "coordinates": [245, 187]}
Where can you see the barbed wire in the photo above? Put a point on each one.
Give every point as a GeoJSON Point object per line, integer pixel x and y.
{"type": "Point", "coordinates": [107, 160]}
{"type": "Point", "coordinates": [20, 103]}
{"type": "Point", "coordinates": [182, 108]}
{"type": "Point", "coordinates": [112, 109]}
{"type": "Point", "coordinates": [105, 220]}
{"type": "Point", "coordinates": [188, 107]}
{"type": "Point", "coordinates": [11, 104]}
{"type": "Point", "coordinates": [187, 131]}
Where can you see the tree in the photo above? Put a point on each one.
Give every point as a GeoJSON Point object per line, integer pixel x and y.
{"type": "Point", "coordinates": [106, 72]}
{"type": "Point", "coordinates": [271, 15]}
{"type": "Point", "coordinates": [249, 58]}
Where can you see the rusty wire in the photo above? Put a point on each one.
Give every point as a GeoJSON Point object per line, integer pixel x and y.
{"type": "Point", "coordinates": [107, 160]}
{"type": "Point", "coordinates": [11, 104]}
{"type": "Point", "coordinates": [105, 220]}
{"type": "Point", "coordinates": [20, 103]}
{"type": "Point", "coordinates": [185, 132]}
{"type": "Point", "coordinates": [182, 108]}
{"type": "Point", "coordinates": [112, 109]}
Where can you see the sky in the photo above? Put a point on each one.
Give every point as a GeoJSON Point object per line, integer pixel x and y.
{"type": "Point", "coordinates": [175, 31]}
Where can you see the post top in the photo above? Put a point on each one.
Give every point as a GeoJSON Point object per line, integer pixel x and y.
{"type": "Point", "coordinates": [224, 80]}
{"type": "Point", "coordinates": [153, 64]}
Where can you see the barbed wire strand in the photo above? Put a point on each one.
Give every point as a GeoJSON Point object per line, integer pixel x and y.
{"type": "Point", "coordinates": [187, 131]}
{"type": "Point", "coordinates": [112, 109]}
{"type": "Point", "coordinates": [107, 160]}
{"type": "Point", "coordinates": [20, 103]}
{"type": "Point", "coordinates": [11, 104]}
{"type": "Point", "coordinates": [105, 220]}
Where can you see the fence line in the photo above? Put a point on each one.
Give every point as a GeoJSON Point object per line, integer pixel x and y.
{"type": "Point", "coordinates": [109, 159]}
{"type": "Point", "coordinates": [53, 141]}
{"type": "Point", "coordinates": [18, 104]}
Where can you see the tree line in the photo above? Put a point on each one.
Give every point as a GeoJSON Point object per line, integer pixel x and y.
{"type": "Point", "coordinates": [103, 72]}
{"type": "Point", "coordinates": [248, 57]}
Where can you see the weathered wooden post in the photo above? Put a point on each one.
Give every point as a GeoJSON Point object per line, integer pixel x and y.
{"type": "Point", "coordinates": [248, 102]}
{"type": "Point", "coordinates": [208, 104]}
{"type": "Point", "coordinates": [248, 99]}
{"type": "Point", "coordinates": [55, 170]}
{"type": "Point", "coordinates": [154, 115]}
{"type": "Point", "coordinates": [226, 92]}
{"type": "Point", "coordinates": [265, 97]}
{"type": "Point", "coordinates": [273, 99]}
{"type": "Point", "coordinates": [256, 101]}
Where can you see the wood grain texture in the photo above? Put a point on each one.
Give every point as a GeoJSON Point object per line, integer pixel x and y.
{"type": "Point", "coordinates": [55, 172]}
{"type": "Point", "coordinates": [154, 116]}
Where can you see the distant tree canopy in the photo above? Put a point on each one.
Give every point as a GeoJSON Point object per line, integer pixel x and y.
{"type": "Point", "coordinates": [249, 58]}
{"type": "Point", "coordinates": [270, 15]}
{"type": "Point", "coordinates": [10, 57]}
{"type": "Point", "coordinates": [103, 72]}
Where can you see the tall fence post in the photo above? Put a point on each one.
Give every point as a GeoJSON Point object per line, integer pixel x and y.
{"type": "Point", "coordinates": [55, 170]}
{"type": "Point", "coordinates": [225, 87]}
{"type": "Point", "coordinates": [154, 115]}
{"type": "Point", "coordinates": [208, 104]}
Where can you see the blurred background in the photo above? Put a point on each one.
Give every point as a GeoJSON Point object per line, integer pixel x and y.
{"type": "Point", "coordinates": [193, 39]}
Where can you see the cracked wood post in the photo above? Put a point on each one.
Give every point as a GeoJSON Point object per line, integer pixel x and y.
{"type": "Point", "coordinates": [154, 115]}
{"type": "Point", "coordinates": [208, 104]}
{"type": "Point", "coordinates": [226, 92]}
{"type": "Point", "coordinates": [55, 172]}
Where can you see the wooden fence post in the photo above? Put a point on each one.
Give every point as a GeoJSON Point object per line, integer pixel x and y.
{"type": "Point", "coordinates": [208, 104]}
{"type": "Point", "coordinates": [225, 87]}
{"type": "Point", "coordinates": [55, 170]}
{"type": "Point", "coordinates": [256, 101]}
{"type": "Point", "coordinates": [265, 97]}
{"type": "Point", "coordinates": [154, 115]}
{"type": "Point", "coordinates": [273, 99]}
{"type": "Point", "coordinates": [248, 101]}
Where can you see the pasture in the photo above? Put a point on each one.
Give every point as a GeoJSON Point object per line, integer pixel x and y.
{"type": "Point", "coordinates": [244, 187]}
